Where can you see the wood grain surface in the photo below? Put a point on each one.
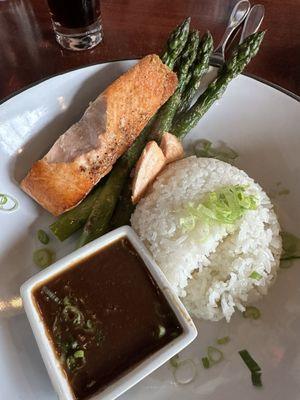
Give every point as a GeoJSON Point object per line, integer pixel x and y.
{"type": "Point", "coordinates": [134, 28]}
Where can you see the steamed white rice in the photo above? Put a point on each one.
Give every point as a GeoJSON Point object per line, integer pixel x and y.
{"type": "Point", "coordinates": [212, 276]}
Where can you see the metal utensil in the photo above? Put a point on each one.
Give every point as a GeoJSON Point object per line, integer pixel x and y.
{"type": "Point", "coordinates": [251, 25]}
{"type": "Point", "coordinates": [253, 21]}
{"type": "Point", "coordinates": [237, 16]}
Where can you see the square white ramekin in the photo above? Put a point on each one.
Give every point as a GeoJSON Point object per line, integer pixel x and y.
{"type": "Point", "coordinates": [145, 367]}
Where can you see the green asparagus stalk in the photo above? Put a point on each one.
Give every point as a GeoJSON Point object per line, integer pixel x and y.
{"type": "Point", "coordinates": [104, 205]}
{"type": "Point", "coordinates": [241, 56]}
{"type": "Point", "coordinates": [72, 220]}
{"type": "Point", "coordinates": [165, 116]}
{"type": "Point", "coordinates": [199, 68]}
{"type": "Point", "coordinates": [124, 208]}
{"type": "Point", "coordinates": [176, 43]}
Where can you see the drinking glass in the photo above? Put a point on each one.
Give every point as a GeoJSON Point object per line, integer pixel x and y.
{"type": "Point", "coordinates": [76, 23]}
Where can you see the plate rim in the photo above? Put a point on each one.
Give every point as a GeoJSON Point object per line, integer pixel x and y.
{"type": "Point", "coordinates": [35, 83]}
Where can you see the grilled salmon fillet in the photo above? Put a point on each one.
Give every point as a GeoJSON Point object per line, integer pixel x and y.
{"type": "Point", "coordinates": [88, 149]}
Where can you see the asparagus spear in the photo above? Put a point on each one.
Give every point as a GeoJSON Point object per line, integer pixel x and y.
{"type": "Point", "coordinates": [167, 112]}
{"type": "Point", "coordinates": [238, 61]}
{"type": "Point", "coordinates": [175, 43]}
{"type": "Point", "coordinates": [72, 220]}
{"type": "Point", "coordinates": [241, 56]}
{"type": "Point", "coordinates": [104, 205]}
{"type": "Point", "coordinates": [124, 208]}
{"type": "Point", "coordinates": [199, 68]}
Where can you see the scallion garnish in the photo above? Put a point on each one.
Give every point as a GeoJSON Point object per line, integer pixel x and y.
{"type": "Point", "coordinates": [224, 206]}
{"type": "Point", "coordinates": [43, 257]}
{"type": "Point", "coordinates": [73, 314]}
{"type": "Point", "coordinates": [223, 340]}
{"type": "Point", "coordinates": [42, 236]}
{"type": "Point", "coordinates": [205, 362]}
{"type": "Point", "coordinates": [185, 372]}
{"type": "Point", "coordinates": [51, 294]}
{"type": "Point", "coordinates": [291, 249]}
{"type": "Point", "coordinates": [79, 354]}
{"type": "Point", "coordinates": [251, 312]}
{"type": "Point", "coordinates": [8, 203]}
{"type": "Point", "coordinates": [204, 148]}
{"type": "Point", "coordinates": [161, 331]}
{"type": "Point", "coordinates": [248, 360]}
{"type": "Point", "coordinates": [256, 379]}
{"type": "Point", "coordinates": [255, 275]}
{"type": "Point", "coordinates": [71, 362]}
{"type": "Point", "coordinates": [3, 199]}
{"type": "Point", "coordinates": [174, 361]}
{"type": "Point", "coordinates": [214, 355]}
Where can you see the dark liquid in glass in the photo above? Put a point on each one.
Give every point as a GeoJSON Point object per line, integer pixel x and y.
{"type": "Point", "coordinates": [74, 13]}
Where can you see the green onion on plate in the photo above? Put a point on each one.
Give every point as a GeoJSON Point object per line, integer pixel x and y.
{"type": "Point", "coordinates": [251, 312]}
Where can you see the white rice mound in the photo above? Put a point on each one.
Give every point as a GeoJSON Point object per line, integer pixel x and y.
{"type": "Point", "coordinates": [211, 276]}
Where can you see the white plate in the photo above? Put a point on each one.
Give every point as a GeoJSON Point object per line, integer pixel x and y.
{"type": "Point", "coordinates": [258, 121]}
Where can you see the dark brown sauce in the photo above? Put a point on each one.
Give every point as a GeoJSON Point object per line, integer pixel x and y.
{"type": "Point", "coordinates": [104, 315]}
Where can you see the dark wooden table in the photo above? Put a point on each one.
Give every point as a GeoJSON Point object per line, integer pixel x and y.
{"type": "Point", "coordinates": [133, 28]}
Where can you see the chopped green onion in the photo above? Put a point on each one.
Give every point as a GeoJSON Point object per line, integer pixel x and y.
{"type": "Point", "coordinates": [161, 331]}
{"type": "Point", "coordinates": [71, 363]}
{"type": "Point", "coordinates": [248, 360]}
{"type": "Point", "coordinates": [79, 354]}
{"type": "Point", "coordinates": [290, 258]}
{"type": "Point", "coordinates": [204, 148]}
{"type": "Point", "coordinates": [174, 361]}
{"type": "Point", "coordinates": [251, 312]}
{"type": "Point", "coordinates": [72, 313]}
{"type": "Point", "coordinates": [67, 301]}
{"type": "Point", "coordinates": [51, 294]}
{"type": "Point", "coordinates": [224, 206]}
{"type": "Point", "coordinates": [214, 355]}
{"type": "Point", "coordinates": [284, 192]}
{"type": "Point", "coordinates": [256, 379]}
{"type": "Point", "coordinates": [42, 236]}
{"type": "Point", "coordinates": [291, 249]}
{"type": "Point", "coordinates": [3, 199]}
{"type": "Point", "coordinates": [89, 326]}
{"type": "Point", "coordinates": [205, 362]}
{"type": "Point", "coordinates": [255, 275]}
{"type": "Point", "coordinates": [43, 257]}
{"type": "Point", "coordinates": [99, 336]}
{"type": "Point", "coordinates": [8, 203]}
{"type": "Point", "coordinates": [223, 340]}
{"type": "Point", "coordinates": [74, 345]}
{"type": "Point", "coordinates": [185, 372]}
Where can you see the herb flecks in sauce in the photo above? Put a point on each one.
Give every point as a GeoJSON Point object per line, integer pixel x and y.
{"type": "Point", "coordinates": [105, 315]}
